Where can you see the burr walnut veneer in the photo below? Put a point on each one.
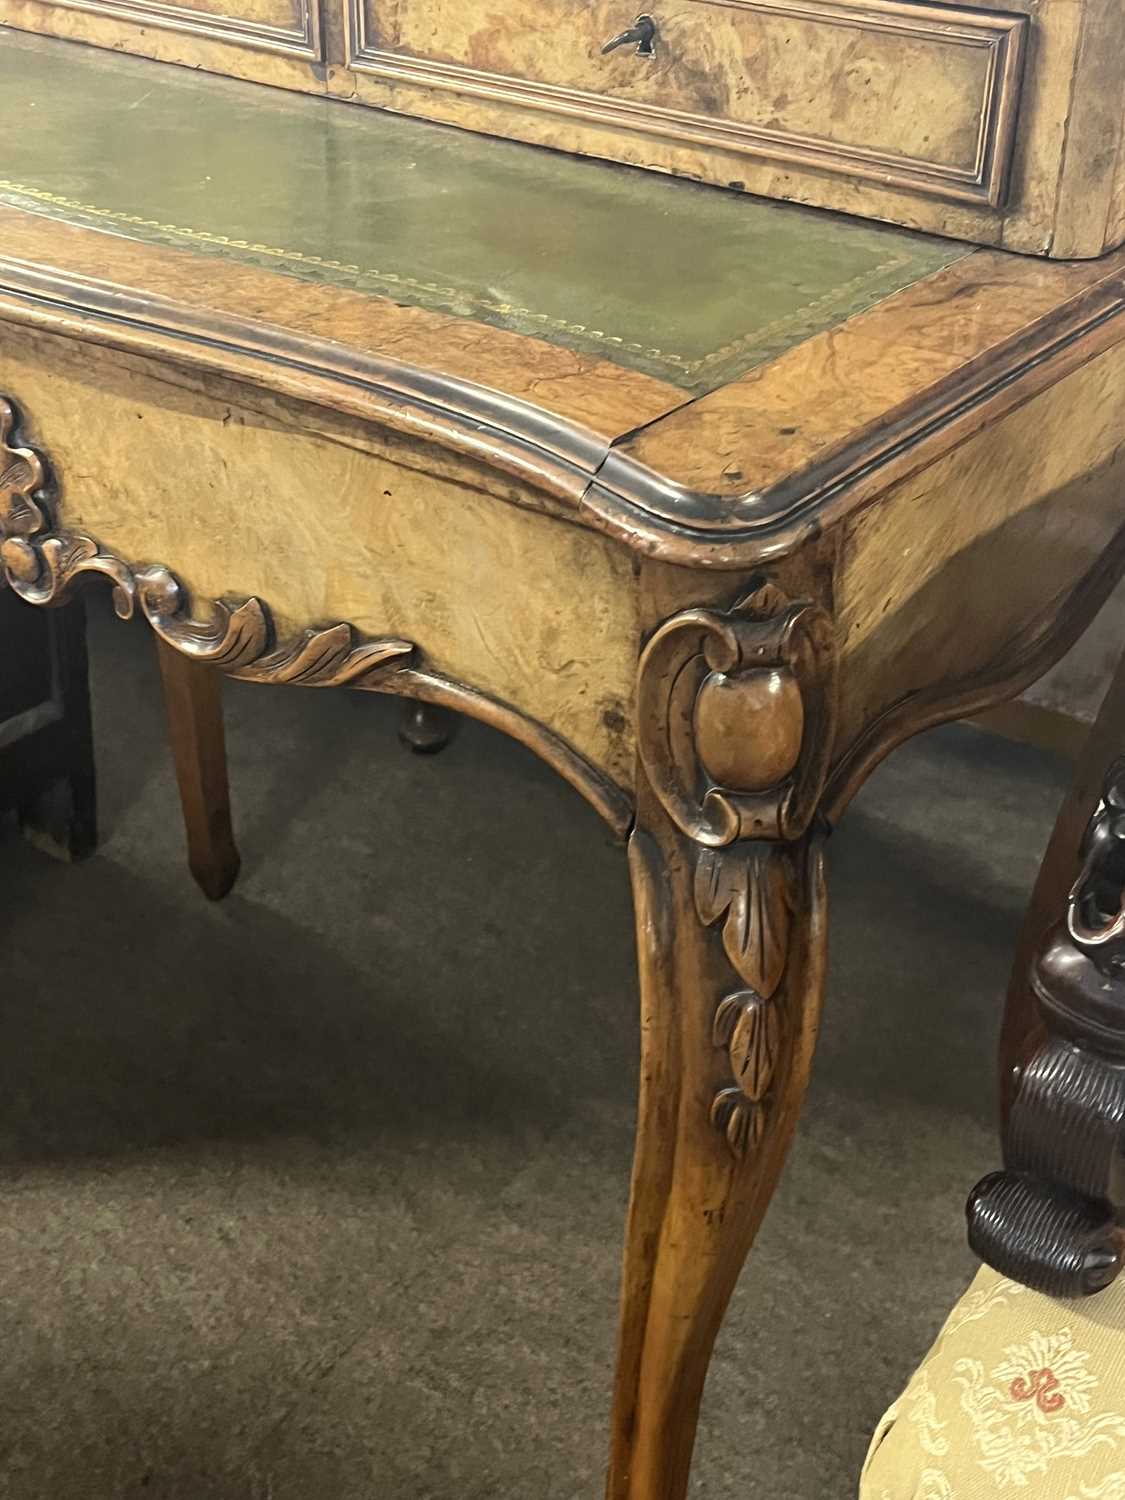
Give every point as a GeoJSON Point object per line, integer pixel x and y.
{"type": "Point", "coordinates": [1000, 122]}
{"type": "Point", "coordinates": [709, 501]}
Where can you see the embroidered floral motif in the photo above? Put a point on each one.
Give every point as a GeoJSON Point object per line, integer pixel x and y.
{"type": "Point", "coordinates": [934, 1486]}
{"type": "Point", "coordinates": [1040, 1386]}
{"type": "Point", "coordinates": [923, 1414]}
{"type": "Point", "coordinates": [1112, 1487]}
{"type": "Point", "coordinates": [1033, 1408]}
{"type": "Point", "coordinates": [979, 1303]}
{"type": "Point", "coordinates": [1049, 1371]}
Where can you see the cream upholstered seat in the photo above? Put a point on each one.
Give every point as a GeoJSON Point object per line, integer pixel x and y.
{"type": "Point", "coordinates": [1021, 1396]}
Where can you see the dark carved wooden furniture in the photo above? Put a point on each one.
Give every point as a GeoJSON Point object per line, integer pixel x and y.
{"type": "Point", "coordinates": [1052, 1219]}
{"type": "Point", "coordinates": [1023, 1390]}
{"type": "Point", "coordinates": [46, 752]}
{"type": "Point", "coordinates": [710, 501]}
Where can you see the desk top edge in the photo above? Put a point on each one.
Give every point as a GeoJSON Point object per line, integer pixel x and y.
{"type": "Point", "coordinates": [611, 480]}
{"type": "Point", "coordinates": [666, 486]}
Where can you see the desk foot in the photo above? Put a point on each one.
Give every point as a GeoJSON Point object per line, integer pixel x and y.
{"type": "Point", "coordinates": [193, 701]}
{"type": "Point", "coordinates": [425, 728]}
{"type": "Point", "coordinates": [61, 819]}
{"type": "Point", "coordinates": [723, 1076]}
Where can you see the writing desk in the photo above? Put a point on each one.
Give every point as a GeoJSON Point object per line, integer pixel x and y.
{"type": "Point", "coordinates": [710, 501]}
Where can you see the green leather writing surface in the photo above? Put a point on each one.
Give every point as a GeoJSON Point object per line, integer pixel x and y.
{"type": "Point", "coordinates": [691, 284]}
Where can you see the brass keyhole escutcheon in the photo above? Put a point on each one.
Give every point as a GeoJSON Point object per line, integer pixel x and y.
{"type": "Point", "coordinates": [642, 33]}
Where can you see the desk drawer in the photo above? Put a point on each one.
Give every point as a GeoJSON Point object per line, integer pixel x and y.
{"type": "Point", "coordinates": [271, 41]}
{"type": "Point", "coordinates": [908, 95]}
{"type": "Point", "coordinates": [999, 122]}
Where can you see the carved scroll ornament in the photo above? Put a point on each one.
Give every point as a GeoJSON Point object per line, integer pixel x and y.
{"type": "Point", "coordinates": [736, 713]}
{"type": "Point", "coordinates": [235, 638]}
{"type": "Point", "coordinates": [42, 565]}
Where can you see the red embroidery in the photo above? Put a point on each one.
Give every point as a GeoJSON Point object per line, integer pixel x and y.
{"type": "Point", "coordinates": [1042, 1385]}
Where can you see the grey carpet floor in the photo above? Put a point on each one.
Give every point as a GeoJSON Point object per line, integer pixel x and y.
{"type": "Point", "coordinates": [318, 1192]}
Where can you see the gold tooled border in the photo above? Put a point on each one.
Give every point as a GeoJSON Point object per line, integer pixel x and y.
{"type": "Point", "coordinates": [760, 340]}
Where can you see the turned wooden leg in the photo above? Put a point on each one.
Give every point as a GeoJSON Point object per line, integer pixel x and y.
{"type": "Point", "coordinates": [193, 700]}
{"type": "Point", "coordinates": [1054, 1218]}
{"type": "Point", "coordinates": [426, 728]}
{"type": "Point", "coordinates": [1022, 1029]}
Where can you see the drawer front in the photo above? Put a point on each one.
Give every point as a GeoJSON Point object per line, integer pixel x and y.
{"type": "Point", "coordinates": [289, 26]}
{"type": "Point", "coordinates": [907, 95]}
{"type": "Point", "coordinates": [269, 41]}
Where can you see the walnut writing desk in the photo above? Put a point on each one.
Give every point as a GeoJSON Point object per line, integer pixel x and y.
{"type": "Point", "coordinates": [709, 500]}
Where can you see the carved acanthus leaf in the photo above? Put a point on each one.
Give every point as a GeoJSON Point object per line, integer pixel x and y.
{"type": "Point", "coordinates": [741, 1122]}
{"type": "Point", "coordinates": [749, 1027]}
{"type": "Point", "coordinates": [239, 637]}
{"type": "Point", "coordinates": [22, 473]}
{"type": "Point", "coordinates": [43, 571]}
{"type": "Point", "coordinates": [235, 638]}
{"type": "Point", "coordinates": [328, 658]}
{"type": "Point", "coordinates": [750, 886]}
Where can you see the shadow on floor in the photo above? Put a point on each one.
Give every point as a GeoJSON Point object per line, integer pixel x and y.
{"type": "Point", "coordinates": [319, 1192]}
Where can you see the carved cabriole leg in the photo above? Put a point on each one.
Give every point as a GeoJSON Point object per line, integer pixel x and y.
{"type": "Point", "coordinates": [193, 699]}
{"type": "Point", "coordinates": [697, 1200]}
{"type": "Point", "coordinates": [726, 862]}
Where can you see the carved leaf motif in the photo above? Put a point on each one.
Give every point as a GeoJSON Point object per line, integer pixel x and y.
{"type": "Point", "coordinates": [21, 473]}
{"type": "Point", "coordinates": [741, 1122]}
{"type": "Point", "coordinates": [43, 571]}
{"type": "Point", "coordinates": [228, 638]}
{"type": "Point", "coordinates": [751, 887]}
{"type": "Point", "coordinates": [328, 658]}
{"type": "Point", "coordinates": [750, 1029]}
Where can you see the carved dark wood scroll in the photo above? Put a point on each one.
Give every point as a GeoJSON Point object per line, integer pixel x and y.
{"type": "Point", "coordinates": [1054, 1217]}
{"type": "Point", "coordinates": [735, 713]}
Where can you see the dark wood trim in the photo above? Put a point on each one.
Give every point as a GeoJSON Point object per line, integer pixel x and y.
{"type": "Point", "coordinates": [1062, 862]}
{"type": "Point", "coordinates": [718, 531]}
